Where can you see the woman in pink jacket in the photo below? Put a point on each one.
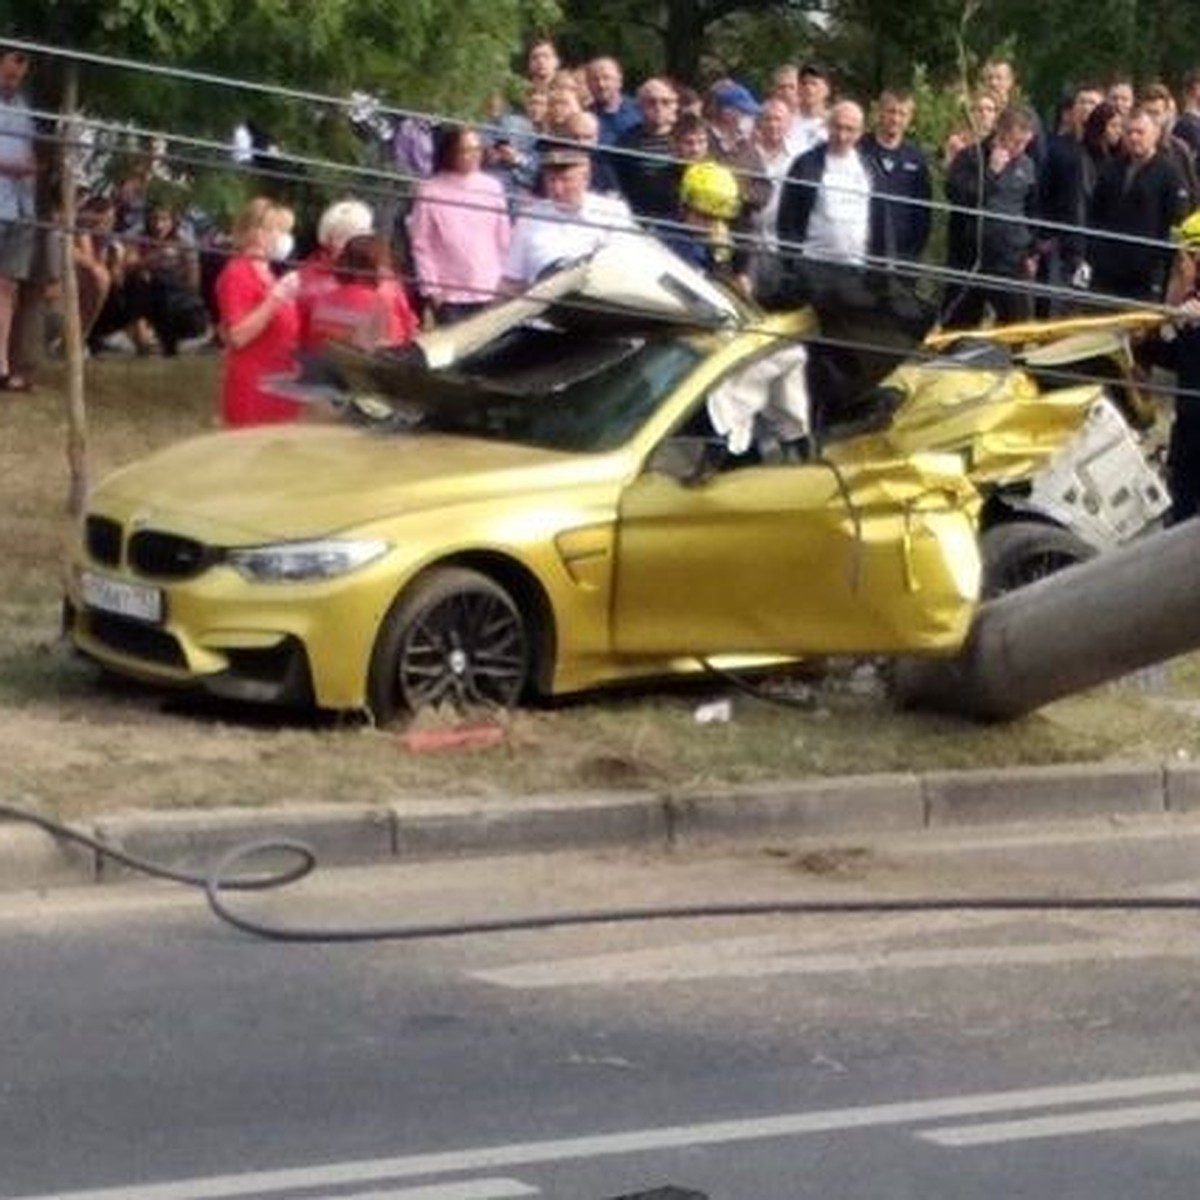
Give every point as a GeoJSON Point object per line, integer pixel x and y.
{"type": "Point", "coordinates": [459, 228]}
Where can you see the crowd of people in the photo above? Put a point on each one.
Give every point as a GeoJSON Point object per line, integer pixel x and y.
{"type": "Point", "coordinates": [1044, 217]}
{"type": "Point", "coordinates": [773, 193]}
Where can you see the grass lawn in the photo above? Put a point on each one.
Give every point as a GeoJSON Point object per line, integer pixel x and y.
{"type": "Point", "coordinates": [78, 744]}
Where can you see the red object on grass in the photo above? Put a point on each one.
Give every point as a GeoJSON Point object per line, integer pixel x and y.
{"type": "Point", "coordinates": [464, 737]}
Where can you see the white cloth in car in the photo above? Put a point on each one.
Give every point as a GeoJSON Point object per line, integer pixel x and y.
{"type": "Point", "coordinates": [772, 392]}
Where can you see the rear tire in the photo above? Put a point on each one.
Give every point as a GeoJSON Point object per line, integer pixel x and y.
{"type": "Point", "coordinates": [1018, 553]}
{"type": "Point", "coordinates": [456, 638]}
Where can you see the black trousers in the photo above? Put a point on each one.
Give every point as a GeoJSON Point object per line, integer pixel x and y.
{"type": "Point", "coordinates": [1183, 460]}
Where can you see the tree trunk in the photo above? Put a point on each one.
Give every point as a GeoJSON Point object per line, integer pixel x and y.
{"type": "Point", "coordinates": [72, 327]}
{"type": "Point", "coordinates": [683, 41]}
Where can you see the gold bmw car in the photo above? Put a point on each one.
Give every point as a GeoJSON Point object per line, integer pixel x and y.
{"type": "Point", "coordinates": [619, 474]}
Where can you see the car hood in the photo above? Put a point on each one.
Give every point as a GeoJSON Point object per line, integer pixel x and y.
{"type": "Point", "coordinates": [288, 482]}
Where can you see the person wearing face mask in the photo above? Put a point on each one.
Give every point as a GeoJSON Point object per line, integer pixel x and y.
{"type": "Point", "coordinates": [259, 320]}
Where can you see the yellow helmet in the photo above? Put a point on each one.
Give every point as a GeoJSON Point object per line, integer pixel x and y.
{"type": "Point", "coordinates": [711, 189]}
{"type": "Point", "coordinates": [1187, 232]}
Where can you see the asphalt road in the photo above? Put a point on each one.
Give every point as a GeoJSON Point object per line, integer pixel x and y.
{"type": "Point", "coordinates": [147, 1053]}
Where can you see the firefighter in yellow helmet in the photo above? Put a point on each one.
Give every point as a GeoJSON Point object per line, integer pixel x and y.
{"type": "Point", "coordinates": [1187, 233]}
{"type": "Point", "coordinates": [710, 202]}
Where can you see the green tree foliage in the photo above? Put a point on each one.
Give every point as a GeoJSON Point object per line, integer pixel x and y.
{"type": "Point", "coordinates": [447, 54]}
{"type": "Point", "coordinates": [749, 45]}
{"type": "Point", "coordinates": [437, 54]}
{"type": "Point", "coordinates": [1058, 44]}
{"type": "Point", "coordinates": [692, 40]}
{"type": "Point", "coordinates": [878, 43]}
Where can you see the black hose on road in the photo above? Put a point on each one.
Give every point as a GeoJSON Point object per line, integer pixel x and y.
{"type": "Point", "coordinates": [223, 878]}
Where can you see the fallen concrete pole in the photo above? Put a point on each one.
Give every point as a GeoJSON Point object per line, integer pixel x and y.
{"type": "Point", "coordinates": [1127, 609]}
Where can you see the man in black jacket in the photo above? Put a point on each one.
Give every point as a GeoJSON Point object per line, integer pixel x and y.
{"type": "Point", "coordinates": [1139, 195]}
{"type": "Point", "coordinates": [900, 212]}
{"type": "Point", "coordinates": [647, 175]}
{"type": "Point", "coordinates": [996, 177]}
{"type": "Point", "coordinates": [1062, 203]}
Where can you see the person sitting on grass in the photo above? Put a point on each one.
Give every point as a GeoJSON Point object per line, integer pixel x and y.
{"type": "Point", "coordinates": [102, 260]}
{"type": "Point", "coordinates": [163, 285]}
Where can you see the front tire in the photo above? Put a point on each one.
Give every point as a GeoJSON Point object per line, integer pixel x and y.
{"type": "Point", "coordinates": [456, 638]}
{"type": "Point", "coordinates": [1018, 553]}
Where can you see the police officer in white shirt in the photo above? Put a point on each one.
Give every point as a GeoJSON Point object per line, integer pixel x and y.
{"type": "Point", "coordinates": [567, 222]}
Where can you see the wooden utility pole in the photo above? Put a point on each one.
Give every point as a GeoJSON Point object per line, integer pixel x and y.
{"type": "Point", "coordinates": [72, 328]}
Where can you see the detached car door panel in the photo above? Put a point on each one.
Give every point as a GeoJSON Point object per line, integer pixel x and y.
{"type": "Point", "coordinates": [797, 559]}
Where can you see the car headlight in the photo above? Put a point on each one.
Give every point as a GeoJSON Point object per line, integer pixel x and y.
{"type": "Point", "coordinates": [297, 562]}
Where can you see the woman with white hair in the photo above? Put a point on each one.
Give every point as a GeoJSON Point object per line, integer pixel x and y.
{"type": "Point", "coordinates": [339, 223]}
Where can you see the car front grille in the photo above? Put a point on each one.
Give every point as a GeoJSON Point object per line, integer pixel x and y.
{"type": "Point", "coordinates": [103, 538]}
{"type": "Point", "coordinates": [167, 556]}
{"type": "Point", "coordinates": [135, 639]}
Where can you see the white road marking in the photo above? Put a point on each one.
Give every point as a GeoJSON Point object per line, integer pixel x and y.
{"type": "Point", "coordinates": [638, 1141]}
{"type": "Point", "coordinates": [471, 1189]}
{"type": "Point", "coordinates": [672, 964]}
{"type": "Point", "coordinates": [1065, 1125]}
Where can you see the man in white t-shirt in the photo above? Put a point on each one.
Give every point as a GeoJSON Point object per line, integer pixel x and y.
{"type": "Point", "coordinates": [824, 221]}
{"type": "Point", "coordinates": [825, 209]}
{"type": "Point", "coordinates": [567, 222]}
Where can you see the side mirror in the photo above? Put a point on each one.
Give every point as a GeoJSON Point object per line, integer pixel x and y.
{"type": "Point", "coordinates": [687, 460]}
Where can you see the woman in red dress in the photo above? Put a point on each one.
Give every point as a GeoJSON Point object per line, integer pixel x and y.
{"type": "Point", "coordinates": [260, 326]}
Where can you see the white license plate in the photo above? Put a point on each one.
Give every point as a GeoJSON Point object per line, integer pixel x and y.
{"type": "Point", "coordinates": [135, 600]}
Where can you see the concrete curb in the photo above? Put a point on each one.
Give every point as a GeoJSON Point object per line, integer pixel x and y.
{"type": "Point", "coordinates": [31, 859]}
{"type": "Point", "coordinates": [424, 829]}
{"type": "Point", "coordinates": [191, 841]}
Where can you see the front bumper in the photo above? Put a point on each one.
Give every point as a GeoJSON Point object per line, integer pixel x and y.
{"type": "Point", "coordinates": [295, 643]}
{"type": "Point", "coordinates": [278, 674]}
